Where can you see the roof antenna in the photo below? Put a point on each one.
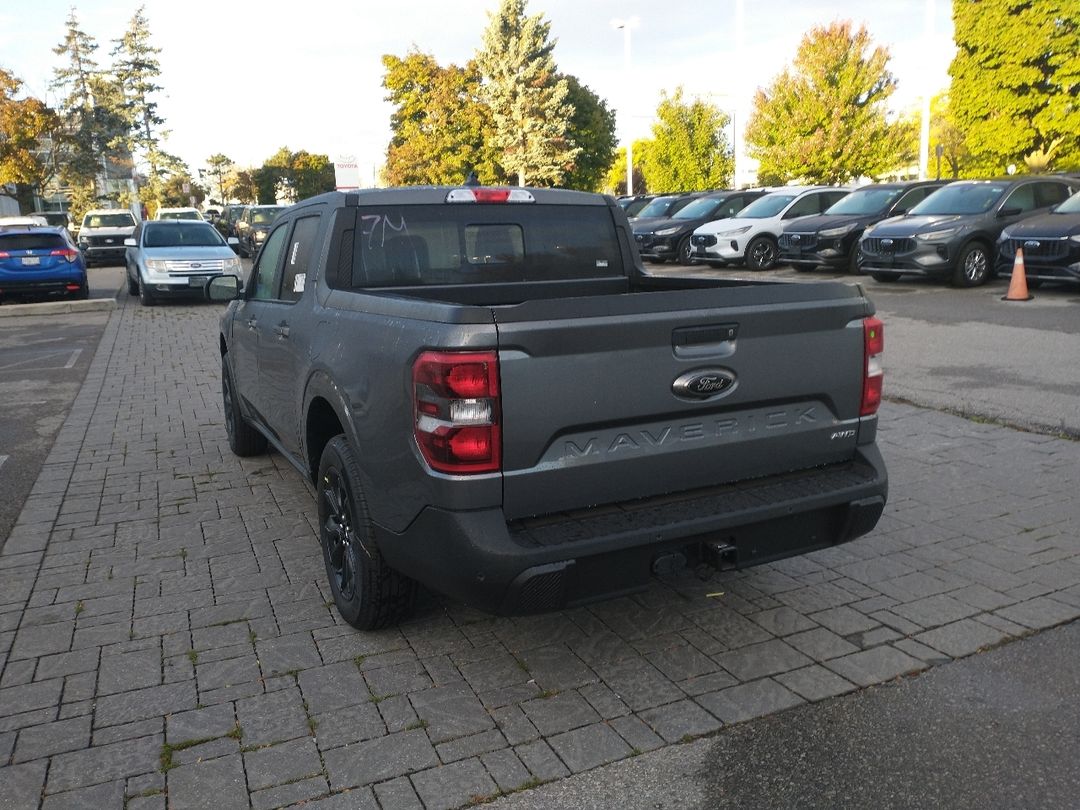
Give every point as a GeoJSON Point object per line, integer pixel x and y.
{"type": "Point", "coordinates": [471, 179]}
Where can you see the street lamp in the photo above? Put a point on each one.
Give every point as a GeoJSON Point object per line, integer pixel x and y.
{"type": "Point", "coordinates": [626, 25]}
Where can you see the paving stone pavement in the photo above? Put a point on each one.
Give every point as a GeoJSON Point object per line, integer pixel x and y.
{"type": "Point", "coordinates": [167, 639]}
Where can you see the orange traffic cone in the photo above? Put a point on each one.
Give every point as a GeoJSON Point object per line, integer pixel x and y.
{"type": "Point", "coordinates": [1018, 290]}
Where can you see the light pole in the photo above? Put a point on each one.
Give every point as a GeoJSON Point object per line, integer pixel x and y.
{"type": "Point", "coordinates": [626, 25]}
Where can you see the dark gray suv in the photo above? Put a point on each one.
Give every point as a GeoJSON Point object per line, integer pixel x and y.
{"type": "Point", "coordinates": [951, 234]}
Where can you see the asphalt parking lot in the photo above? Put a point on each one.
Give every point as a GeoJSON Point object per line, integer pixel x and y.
{"type": "Point", "coordinates": [167, 639]}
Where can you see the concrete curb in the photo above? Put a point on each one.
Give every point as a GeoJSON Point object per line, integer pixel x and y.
{"type": "Point", "coordinates": [58, 307]}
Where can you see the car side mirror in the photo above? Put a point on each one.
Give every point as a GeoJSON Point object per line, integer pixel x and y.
{"type": "Point", "coordinates": [222, 288]}
{"type": "Point", "coordinates": [1010, 212]}
{"type": "Point", "coordinates": [129, 242]}
{"type": "Point", "coordinates": [233, 241]}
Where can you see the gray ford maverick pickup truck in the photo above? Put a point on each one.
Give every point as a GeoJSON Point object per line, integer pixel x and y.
{"type": "Point", "coordinates": [492, 398]}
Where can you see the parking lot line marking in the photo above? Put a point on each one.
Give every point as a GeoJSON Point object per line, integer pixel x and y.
{"type": "Point", "coordinates": [74, 358]}
{"type": "Point", "coordinates": [3, 459]}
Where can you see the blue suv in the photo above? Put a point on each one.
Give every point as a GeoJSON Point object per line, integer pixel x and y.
{"type": "Point", "coordinates": [39, 262]}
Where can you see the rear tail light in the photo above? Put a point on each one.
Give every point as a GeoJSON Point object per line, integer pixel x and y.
{"type": "Point", "coordinates": [456, 410]}
{"type": "Point", "coordinates": [4, 254]}
{"type": "Point", "coordinates": [873, 346]}
{"type": "Point", "coordinates": [67, 253]}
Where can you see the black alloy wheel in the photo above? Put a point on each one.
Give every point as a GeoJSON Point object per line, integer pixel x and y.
{"type": "Point", "coordinates": [367, 592]}
{"type": "Point", "coordinates": [683, 251]}
{"type": "Point", "coordinates": [761, 253]}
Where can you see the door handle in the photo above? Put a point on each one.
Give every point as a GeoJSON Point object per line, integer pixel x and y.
{"type": "Point", "coordinates": [281, 330]}
{"type": "Point", "coordinates": [251, 323]}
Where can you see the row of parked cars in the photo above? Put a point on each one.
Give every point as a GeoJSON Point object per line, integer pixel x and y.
{"type": "Point", "coordinates": [249, 224]}
{"type": "Point", "coordinates": [965, 231]}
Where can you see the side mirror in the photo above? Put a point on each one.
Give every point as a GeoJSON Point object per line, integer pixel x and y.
{"type": "Point", "coordinates": [222, 288]}
{"type": "Point", "coordinates": [233, 241]}
{"type": "Point", "coordinates": [129, 242]}
{"type": "Point", "coordinates": [1010, 212]}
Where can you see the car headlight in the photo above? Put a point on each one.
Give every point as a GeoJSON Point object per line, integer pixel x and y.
{"type": "Point", "coordinates": [1075, 238]}
{"type": "Point", "coordinates": [259, 235]}
{"type": "Point", "coordinates": [1005, 235]}
{"type": "Point", "coordinates": [735, 231]}
{"type": "Point", "coordinates": [832, 233]}
{"type": "Point", "coordinates": [667, 231]}
{"type": "Point", "coordinates": [938, 236]}
{"type": "Point", "coordinates": [156, 265]}
{"type": "Point", "coordinates": [231, 266]}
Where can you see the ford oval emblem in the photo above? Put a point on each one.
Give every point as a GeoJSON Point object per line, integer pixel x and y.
{"type": "Point", "coordinates": [796, 238]}
{"type": "Point", "coordinates": [704, 383]}
{"type": "Point", "coordinates": [1031, 244]}
{"type": "Point", "coordinates": [195, 265]}
{"type": "Point", "coordinates": [886, 242]}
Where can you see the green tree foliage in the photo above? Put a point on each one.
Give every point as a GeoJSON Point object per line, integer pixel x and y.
{"type": "Point", "coordinates": [592, 134]}
{"type": "Point", "coordinates": [824, 121]}
{"type": "Point", "coordinates": [441, 128]}
{"type": "Point", "coordinates": [174, 196]}
{"type": "Point", "coordinates": [615, 179]}
{"type": "Point", "coordinates": [689, 149]}
{"type": "Point", "coordinates": [1016, 82]}
{"type": "Point", "coordinates": [528, 102]}
{"type": "Point", "coordinates": [218, 166]}
{"type": "Point", "coordinates": [29, 134]}
{"type": "Point", "coordinates": [240, 185]}
{"type": "Point", "coordinates": [292, 176]}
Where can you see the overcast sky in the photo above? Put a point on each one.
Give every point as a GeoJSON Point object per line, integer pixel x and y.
{"type": "Point", "coordinates": [246, 78]}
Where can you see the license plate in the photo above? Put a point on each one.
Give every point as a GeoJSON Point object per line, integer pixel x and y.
{"type": "Point", "coordinates": [31, 260]}
{"type": "Point", "coordinates": [196, 281]}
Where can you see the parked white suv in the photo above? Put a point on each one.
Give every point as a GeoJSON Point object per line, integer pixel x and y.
{"type": "Point", "coordinates": [751, 236]}
{"type": "Point", "coordinates": [102, 235]}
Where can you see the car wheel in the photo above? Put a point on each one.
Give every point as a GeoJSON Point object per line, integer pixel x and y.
{"type": "Point", "coordinates": [682, 252]}
{"type": "Point", "coordinates": [146, 298]}
{"type": "Point", "coordinates": [972, 266]}
{"type": "Point", "coordinates": [133, 286]}
{"type": "Point", "coordinates": [368, 593]}
{"type": "Point", "coordinates": [83, 292]}
{"type": "Point", "coordinates": [761, 253]}
{"type": "Point", "coordinates": [244, 440]}
{"type": "Point", "coordinates": [885, 277]}
{"type": "Point", "coordinates": [853, 262]}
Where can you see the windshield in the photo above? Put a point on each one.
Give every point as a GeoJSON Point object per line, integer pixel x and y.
{"type": "Point", "coordinates": [698, 209]}
{"type": "Point", "coordinates": [264, 216]}
{"type": "Point", "coordinates": [175, 235]}
{"type": "Point", "coordinates": [179, 215]}
{"type": "Point", "coordinates": [1070, 206]}
{"type": "Point", "coordinates": [658, 207]}
{"type": "Point", "coordinates": [768, 206]}
{"type": "Point", "coordinates": [866, 201]}
{"type": "Point", "coordinates": [961, 198]}
{"type": "Point", "coordinates": [118, 220]}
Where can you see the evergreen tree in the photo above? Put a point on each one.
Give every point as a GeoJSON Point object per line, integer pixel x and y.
{"type": "Point", "coordinates": [1016, 82]}
{"type": "Point", "coordinates": [441, 128]}
{"type": "Point", "coordinates": [689, 149]}
{"type": "Point", "coordinates": [825, 120]}
{"type": "Point", "coordinates": [528, 102]}
{"type": "Point", "coordinates": [219, 166]}
{"type": "Point", "coordinates": [592, 133]}
{"type": "Point", "coordinates": [136, 68]}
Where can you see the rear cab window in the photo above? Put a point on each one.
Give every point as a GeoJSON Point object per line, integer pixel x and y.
{"type": "Point", "coordinates": [410, 245]}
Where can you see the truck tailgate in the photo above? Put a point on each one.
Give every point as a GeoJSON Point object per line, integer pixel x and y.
{"type": "Point", "coordinates": [590, 410]}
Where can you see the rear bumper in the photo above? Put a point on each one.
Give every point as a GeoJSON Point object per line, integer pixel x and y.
{"type": "Point", "coordinates": [569, 559]}
{"type": "Point", "coordinates": [53, 284]}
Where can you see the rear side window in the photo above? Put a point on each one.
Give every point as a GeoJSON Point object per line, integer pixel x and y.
{"type": "Point", "coordinates": [31, 241]}
{"type": "Point", "coordinates": [480, 244]}
{"type": "Point", "coordinates": [1023, 197]}
{"type": "Point", "coordinates": [1047, 194]}
{"type": "Point", "coordinates": [298, 258]}
{"type": "Point", "coordinates": [810, 204]}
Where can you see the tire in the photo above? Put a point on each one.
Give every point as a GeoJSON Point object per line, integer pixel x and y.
{"type": "Point", "coordinates": [368, 593]}
{"type": "Point", "coordinates": [973, 266]}
{"type": "Point", "coordinates": [244, 440]}
{"type": "Point", "coordinates": [146, 298]}
{"type": "Point", "coordinates": [885, 278]}
{"type": "Point", "coordinates": [682, 252]}
{"type": "Point", "coordinates": [133, 286]}
{"type": "Point", "coordinates": [853, 261]}
{"type": "Point", "coordinates": [83, 292]}
{"type": "Point", "coordinates": [761, 253]}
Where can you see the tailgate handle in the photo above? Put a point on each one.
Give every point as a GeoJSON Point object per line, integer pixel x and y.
{"type": "Point", "coordinates": [696, 341]}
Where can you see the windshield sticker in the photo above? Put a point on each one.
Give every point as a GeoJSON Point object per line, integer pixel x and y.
{"type": "Point", "coordinates": [601, 262]}
{"type": "Point", "coordinates": [298, 283]}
